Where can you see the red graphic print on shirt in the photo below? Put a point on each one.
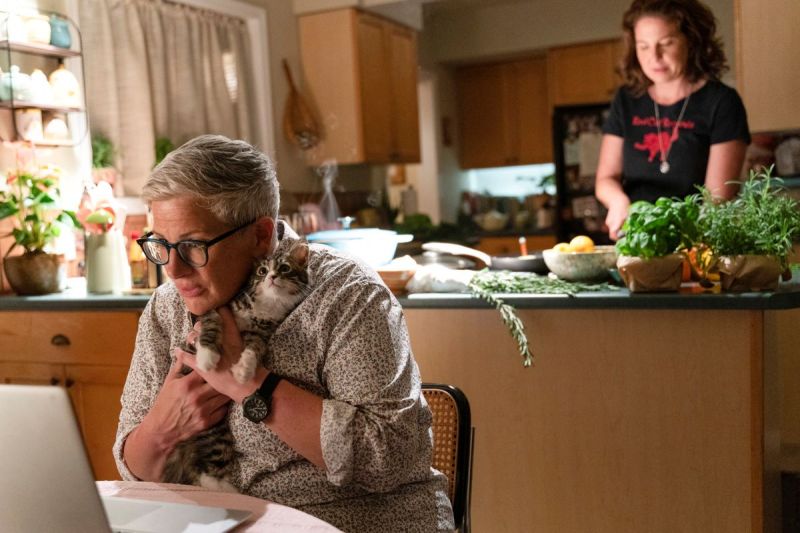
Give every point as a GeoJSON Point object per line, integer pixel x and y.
{"type": "Point", "coordinates": [669, 134]}
{"type": "Point", "coordinates": [650, 143]}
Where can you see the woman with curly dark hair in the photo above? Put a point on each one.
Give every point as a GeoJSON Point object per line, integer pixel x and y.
{"type": "Point", "coordinates": [673, 125]}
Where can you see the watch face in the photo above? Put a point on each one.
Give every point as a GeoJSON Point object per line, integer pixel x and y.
{"type": "Point", "coordinates": [255, 408]}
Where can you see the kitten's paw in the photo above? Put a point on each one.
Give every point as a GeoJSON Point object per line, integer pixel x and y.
{"type": "Point", "coordinates": [207, 358]}
{"type": "Point", "coordinates": [243, 372]}
{"type": "Point", "coordinates": [218, 484]}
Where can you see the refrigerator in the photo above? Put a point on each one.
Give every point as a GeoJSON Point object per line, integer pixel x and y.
{"type": "Point", "coordinates": [577, 134]}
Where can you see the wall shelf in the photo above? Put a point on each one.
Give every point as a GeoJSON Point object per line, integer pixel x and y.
{"type": "Point", "coordinates": [39, 49]}
{"type": "Point", "coordinates": [75, 117]}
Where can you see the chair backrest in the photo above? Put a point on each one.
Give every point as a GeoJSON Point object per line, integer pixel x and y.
{"type": "Point", "coordinates": [452, 443]}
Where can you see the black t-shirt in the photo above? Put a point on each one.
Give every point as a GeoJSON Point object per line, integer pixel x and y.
{"type": "Point", "coordinates": [714, 114]}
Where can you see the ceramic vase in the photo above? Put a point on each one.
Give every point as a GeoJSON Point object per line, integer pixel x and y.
{"type": "Point", "coordinates": [35, 273]}
{"type": "Point", "coordinates": [106, 263]}
{"type": "Point", "coordinates": [59, 32]}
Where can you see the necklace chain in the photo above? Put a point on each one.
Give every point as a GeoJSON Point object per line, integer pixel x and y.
{"type": "Point", "coordinates": [664, 167]}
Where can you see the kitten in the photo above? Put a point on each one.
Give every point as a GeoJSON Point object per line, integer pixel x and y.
{"type": "Point", "coordinates": [277, 285]}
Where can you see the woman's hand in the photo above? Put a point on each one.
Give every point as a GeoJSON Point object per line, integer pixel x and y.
{"type": "Point", "coordinates": [221, 378]}
{"type": "Point", "coordinates": [617, 213]}
{"type": "Point", "coordinates": [185, 406]}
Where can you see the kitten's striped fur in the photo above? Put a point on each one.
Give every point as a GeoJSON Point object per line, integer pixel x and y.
{"type": "Point", "coordinates": [275, 288]}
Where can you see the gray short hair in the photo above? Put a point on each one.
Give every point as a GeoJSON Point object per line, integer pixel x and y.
{"type": "Point", "coordinates": [230, 178]}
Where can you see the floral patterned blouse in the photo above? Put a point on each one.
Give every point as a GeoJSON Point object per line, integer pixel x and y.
{"type": "Point", "coordinates": [348, 343]}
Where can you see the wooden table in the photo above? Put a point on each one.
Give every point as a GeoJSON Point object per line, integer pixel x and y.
{"type": "Point", "coordinates": [267, 516]}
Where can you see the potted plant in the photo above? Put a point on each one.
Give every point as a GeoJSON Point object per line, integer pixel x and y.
{"type": "Point", "coordinates": [655, 235]}
{"type": "Point", "coordinates": [103, 168]}
{"type": "Point", "coordinates": [751, 236]}
{"type": "Point", "coordinates": [31, 198]}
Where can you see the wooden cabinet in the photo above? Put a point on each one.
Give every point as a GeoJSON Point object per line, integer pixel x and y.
{"type": "Point", "coordinates": [767, 73]}
{"type": "Point", "coordinates": [583, 73]}
{"type": "Point", "coordinates": [361, 73]}
{"type": "Point", "coordinates": [503, 114]}
{"type": "Point", "coordinates": [86, 352]}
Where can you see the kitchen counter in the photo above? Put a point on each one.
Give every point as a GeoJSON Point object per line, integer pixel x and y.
{"type": "Point", "coordinates": [643, 412]}
{"type": "Point", "coordinates": [691, 296]}
{"type": "Point", "coordinates": [74, 298]}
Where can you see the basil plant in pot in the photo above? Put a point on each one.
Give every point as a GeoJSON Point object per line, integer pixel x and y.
{"type": "Point", "coordinates": [30, 198]}
{"type": "Point", "coordinates": [654, 237]}
{"type": "Point", "coordinates": [751, 236]}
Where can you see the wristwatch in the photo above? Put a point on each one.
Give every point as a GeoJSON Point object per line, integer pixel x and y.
{"type": "Point", "coordinates": [256, 407]}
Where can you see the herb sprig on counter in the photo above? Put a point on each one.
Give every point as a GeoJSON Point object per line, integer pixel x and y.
{"type": "Point", "coordinates": [487, 284]}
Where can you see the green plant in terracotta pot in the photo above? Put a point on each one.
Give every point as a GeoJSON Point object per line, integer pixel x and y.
{"type": "Point", "coordinates": [655, 237]}
{"type": "Point", "coordinates": [751, 236]}
{"type": "Point", "coordinates": [31, 198]}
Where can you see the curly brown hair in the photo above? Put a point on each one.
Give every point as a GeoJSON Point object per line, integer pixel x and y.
{"type": "Point", "coordinates": [697, 24]}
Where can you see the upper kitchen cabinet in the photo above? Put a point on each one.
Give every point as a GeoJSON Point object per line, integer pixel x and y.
{"type": "Point", "coordinates": [361, 71]}
{"type": "Point", "coordinates": [503, 114]}
{"type": "Point", "coordinates": [766, 75]}
{"type": "Point", "coordinates": [583, 73]}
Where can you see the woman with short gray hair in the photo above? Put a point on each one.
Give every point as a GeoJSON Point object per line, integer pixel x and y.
{"type": "Point", "coordinates": [346, 434]}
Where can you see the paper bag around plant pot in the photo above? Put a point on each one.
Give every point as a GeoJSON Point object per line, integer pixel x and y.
{"type": "Point", "coordinates": [749, 273]}
{"type": "Point", "coordinates": [659, 274]}
{"type": "Point", "coordinates": [35, 273]}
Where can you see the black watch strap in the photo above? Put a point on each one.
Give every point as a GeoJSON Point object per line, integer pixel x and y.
{"type": "Point", "coordinates": [268, 386]}
{"type": "Point", "coordinates": [257, 406]}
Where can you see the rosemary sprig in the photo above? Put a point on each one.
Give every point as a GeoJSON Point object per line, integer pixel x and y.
{"type": "Point", "coordinates": [510, 319]}
{"type": "Point", "coordinates": [487, 284]}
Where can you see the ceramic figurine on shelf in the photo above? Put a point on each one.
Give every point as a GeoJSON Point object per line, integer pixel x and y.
{"type": "Point", "coordinates": [59, 32]}
{"type": "Point", "coordinates": [12, 28]}
{"type": "Point", "coordinates": [29, 124]}
{"type": "Point", "coordinates": [66, 89]}
{"type": "Point", "coordinates": [15, 83]}
{"type": "Point", "coordinates": [56, 129]}
{"type": "Point", "coordinates": [41, 92]}
{"type": "Point", "coordinates": [38, 29]}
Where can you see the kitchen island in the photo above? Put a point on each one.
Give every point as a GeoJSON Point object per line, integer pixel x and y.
{"type": "Point", "coordinates": [657, 413]}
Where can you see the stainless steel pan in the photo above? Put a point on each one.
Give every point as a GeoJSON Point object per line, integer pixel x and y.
{"type": "Point", "coordinates": [518, 263]}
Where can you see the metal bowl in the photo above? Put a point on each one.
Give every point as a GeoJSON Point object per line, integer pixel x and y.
{"type": "Point", "coordinates": [581, 266]}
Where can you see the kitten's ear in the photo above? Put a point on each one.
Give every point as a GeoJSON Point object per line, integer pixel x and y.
{"type": "Point", "coordinates": [300, 252]}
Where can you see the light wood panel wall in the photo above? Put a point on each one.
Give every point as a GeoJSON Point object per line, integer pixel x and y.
{"type": "Point", "coordinates": [629, 421]}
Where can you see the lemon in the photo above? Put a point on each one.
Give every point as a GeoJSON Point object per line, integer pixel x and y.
{"type": "Point", "coordinates": [561, 247]}
{"type": "Point", "coordinates": [581, 243]}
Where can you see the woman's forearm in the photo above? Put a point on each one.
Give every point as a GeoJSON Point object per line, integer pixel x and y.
{"type": "Point", "coordinates": [145, 452]}
{"type": "Point", "coordinates": [296, 418]}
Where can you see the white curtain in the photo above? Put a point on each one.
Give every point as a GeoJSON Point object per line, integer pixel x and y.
{"type": "Point", "coordinates": [159, 69]}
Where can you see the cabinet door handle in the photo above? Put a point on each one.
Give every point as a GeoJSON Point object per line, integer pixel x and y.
{"type": "Point", "coordinates": [54, 381]}
{"type": "Point", "coordinates": [60, 340]}
{"type": "Point", "coordinates": [69, 383]}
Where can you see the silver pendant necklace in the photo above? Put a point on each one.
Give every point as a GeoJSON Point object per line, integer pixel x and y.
{"type": "Point", "coordinates": [664, 166]}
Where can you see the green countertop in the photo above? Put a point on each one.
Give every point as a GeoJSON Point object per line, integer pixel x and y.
{"type": "Point", "coordinates": [690, 297]}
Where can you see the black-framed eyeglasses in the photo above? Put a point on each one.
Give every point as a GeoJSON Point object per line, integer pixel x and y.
{"type": "Point", "coordinates": [193, 252]}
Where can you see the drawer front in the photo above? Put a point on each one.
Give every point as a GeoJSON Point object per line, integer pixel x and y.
{"type": "Point", "coordinates": [86, 337]}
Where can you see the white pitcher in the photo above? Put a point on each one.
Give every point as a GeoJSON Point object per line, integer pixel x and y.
{"type": "Point", "coordinates": [106, 263]}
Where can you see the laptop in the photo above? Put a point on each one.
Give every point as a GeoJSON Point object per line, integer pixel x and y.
{"type": "Point", "coordinates": [47, 484]}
